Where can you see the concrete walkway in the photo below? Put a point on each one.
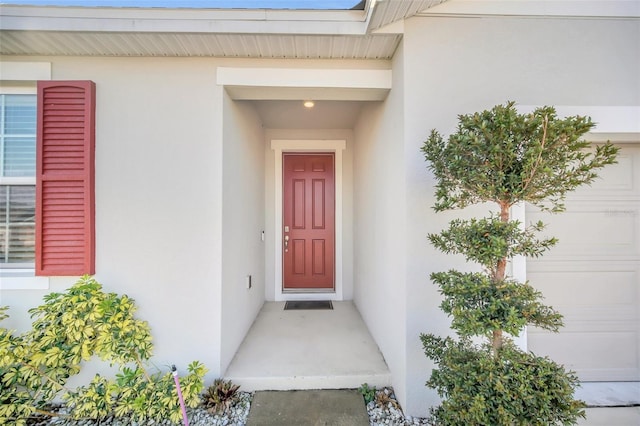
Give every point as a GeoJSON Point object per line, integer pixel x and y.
{"type": "Point", "coordinates": [342, 407]}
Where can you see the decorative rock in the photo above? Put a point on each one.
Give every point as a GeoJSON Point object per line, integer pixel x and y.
{"type": "Point", "coordinates": [389, 414]}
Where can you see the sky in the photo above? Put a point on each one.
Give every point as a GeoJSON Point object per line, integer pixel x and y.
{"type": "Point", "coordinates": [197, 4]}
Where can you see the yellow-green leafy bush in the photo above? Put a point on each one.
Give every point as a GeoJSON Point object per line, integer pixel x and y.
{"type": "Point", "coordinates": [72, 327]}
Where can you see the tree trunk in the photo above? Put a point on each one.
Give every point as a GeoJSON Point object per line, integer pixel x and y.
{"type": "Point", "coordinates": [499, 275]}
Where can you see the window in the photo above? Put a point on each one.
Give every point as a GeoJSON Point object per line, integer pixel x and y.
{"type": "Point", "coordinates": [17, 181]}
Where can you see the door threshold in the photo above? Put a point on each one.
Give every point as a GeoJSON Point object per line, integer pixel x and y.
{"type": "Point", "coordinates": [295, 296]}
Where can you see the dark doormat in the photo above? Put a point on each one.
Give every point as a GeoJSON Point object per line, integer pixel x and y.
{"type": "Point", "coordinates": [292, 305]}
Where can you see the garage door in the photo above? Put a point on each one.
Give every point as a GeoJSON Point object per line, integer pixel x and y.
{"type": "Point", "coordinates": [593, 275]}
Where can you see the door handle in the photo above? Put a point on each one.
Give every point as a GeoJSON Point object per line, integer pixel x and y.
{"type": "Point", "coordinates": [286, 243]}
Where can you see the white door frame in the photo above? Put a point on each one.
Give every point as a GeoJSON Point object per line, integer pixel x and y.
{"type": "Point", "coordinates": [279, 146]}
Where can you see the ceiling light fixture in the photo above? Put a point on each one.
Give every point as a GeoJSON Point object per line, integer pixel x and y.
{"type": "Point", "coordinates": [308, 104]}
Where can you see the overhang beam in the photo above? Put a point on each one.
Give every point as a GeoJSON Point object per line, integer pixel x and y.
{"type": "Point", "coordinates": [316, 84]}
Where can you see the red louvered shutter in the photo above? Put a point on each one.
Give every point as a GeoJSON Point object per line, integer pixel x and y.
{"type": "Point", "coordinates": [65, 196]}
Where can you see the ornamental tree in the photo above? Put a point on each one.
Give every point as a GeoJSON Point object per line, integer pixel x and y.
{"type": "Point", "coordinates": [503, 158]}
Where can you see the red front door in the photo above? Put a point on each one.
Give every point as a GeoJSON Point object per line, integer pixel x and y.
{"type": "Point", "coordinates": [308, 231]}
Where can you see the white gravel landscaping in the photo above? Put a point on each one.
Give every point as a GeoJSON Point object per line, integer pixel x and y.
{"type": "Point", "coordinates": [237, 416]}
{"type": "Point", "coordinates": [384, 410]}
{"type": "Point", "coordinates": [387, 413]}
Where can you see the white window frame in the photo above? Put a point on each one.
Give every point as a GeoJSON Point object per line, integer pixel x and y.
{"type": "Point", "coordinates": [20, 278]}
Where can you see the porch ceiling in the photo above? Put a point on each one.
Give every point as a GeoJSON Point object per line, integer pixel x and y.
{"type": "Point", "coordinates": [285, 114]}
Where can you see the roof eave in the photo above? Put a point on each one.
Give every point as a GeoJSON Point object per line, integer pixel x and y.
{"type": "Point", "coordinates": [155, 20]}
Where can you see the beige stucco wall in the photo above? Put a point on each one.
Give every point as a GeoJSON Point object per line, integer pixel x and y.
{"type": "Point", "coordinates": [242, 224]}
{"type": "Point", "coordinates": [380, 226]}
{"type": "Point", "coordinates": [158, 186]}
{"type": "Point", "coordinates": [460, 65]}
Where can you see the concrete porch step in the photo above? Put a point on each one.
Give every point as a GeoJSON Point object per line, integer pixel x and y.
{"type": "Point", "coordinates": [308, 349]}
{"type": "Point", "coordinates": [284, 383]}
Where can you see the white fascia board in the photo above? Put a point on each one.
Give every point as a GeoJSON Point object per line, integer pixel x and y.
{"type": "Point", "coordinates": [188, 14]}
{"type": "Point", "coordinates": [546, 8]}
{"type": "Point", "coordinates": [262, 93]}
{"type": "Point", "coordinates": [24, 18]}
{"type": "Point", "coordinates": [294, 77]}
{"type": "Point", "coordinates": [317, 84]}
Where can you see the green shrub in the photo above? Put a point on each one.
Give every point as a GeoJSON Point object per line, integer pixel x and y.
{"type": "Point", "coordinates": [504, 158]}
{"type": "Point", "coordinates": [72, 327]}
{"type": "Point", "coordinates": [516, 388]}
